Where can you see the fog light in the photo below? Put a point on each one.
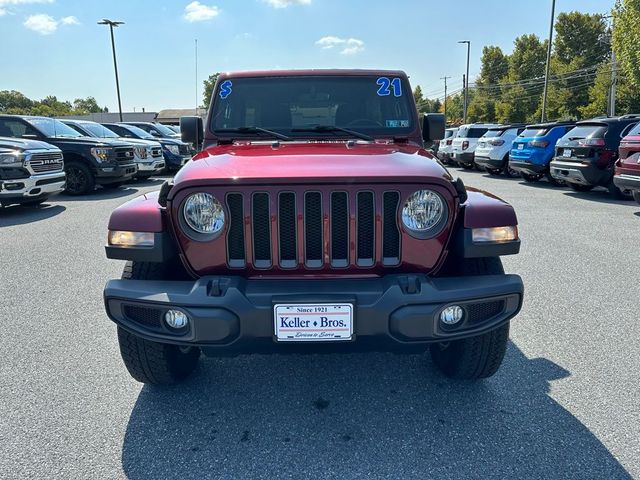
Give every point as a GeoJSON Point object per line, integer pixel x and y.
{"type": "Point", "coordinates": [176, 319]}
{"type": "Point", "coordinates": [451, 315]}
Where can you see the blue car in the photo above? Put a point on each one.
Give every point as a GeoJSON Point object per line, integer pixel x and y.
{"type": "Point", "coordinates": [533, 150]}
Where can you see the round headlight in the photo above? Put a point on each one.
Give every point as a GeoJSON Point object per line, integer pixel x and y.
{"type": "Point", "coordinates": [424, 213]}
{"type": "Point", "coordinates": [203, 213]}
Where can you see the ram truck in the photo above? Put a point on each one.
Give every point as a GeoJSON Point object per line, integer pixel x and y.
{"type": "Point", "coordinates": [314, 220]}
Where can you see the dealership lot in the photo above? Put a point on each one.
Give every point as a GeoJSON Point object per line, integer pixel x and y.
{"type": "Point", "coordinates": [563, 405]}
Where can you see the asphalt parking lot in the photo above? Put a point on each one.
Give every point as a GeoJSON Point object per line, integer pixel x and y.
{"type": "Point", "coordinates": [563, 405]}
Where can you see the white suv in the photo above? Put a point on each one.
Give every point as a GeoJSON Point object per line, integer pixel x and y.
{"type": "Point", "coordinates": [493, 149]}
{"type": "Point", "coordinates": [446, 144]}
{"type": "Point", "coordinates": [465, 142]}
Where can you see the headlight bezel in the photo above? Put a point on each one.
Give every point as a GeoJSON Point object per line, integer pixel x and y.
{"type": "Point", "coordinates": [173, 149]}
{"type": "Point", "coordinates": [101, 154]}
{"type": "Point", "coordinates": [16, 156]}
{"type": "Point", "coordinates": [190, 230]}
{"type": "Point", "coordinates": [436, 228]}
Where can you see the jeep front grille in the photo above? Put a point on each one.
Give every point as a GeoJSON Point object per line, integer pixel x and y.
{"type": "Point", "coordinates": [46, 162]}
{"type": "Point", "coordinates": [314, 229]}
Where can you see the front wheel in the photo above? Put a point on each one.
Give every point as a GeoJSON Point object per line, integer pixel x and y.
{"type": "Point", "coordinates": [80, 179]}
{"type": "Point", "coordinates": [476, 357]}
{"type": "Point", "coordinates": [467, 166]}
{"type": "Point", "coordinates": [493, 171]}
{"type": "Point", "coordinates": [152, 362]}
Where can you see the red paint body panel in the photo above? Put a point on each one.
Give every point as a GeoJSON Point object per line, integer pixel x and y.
{"type": "Point", "coordinates": [483, 209]}
{"type": "Point", "coordinates": [629, 162]}
{"type": "Point", "coordinates": [142, 214]}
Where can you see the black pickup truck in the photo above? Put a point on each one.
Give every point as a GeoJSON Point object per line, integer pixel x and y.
{"type": "Point", "coordinates": [87, 161]}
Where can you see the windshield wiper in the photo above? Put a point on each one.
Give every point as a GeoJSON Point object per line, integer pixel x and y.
{"type": "Point", "coordinates": [333, 128]}
{"type": "Point", "coordinates": [271, 133]}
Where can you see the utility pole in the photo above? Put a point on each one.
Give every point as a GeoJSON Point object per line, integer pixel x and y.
{"type": "Point", "coordinates": [112, 24]}
{"type": "Point", "coordinates": [614, 80]}
{"type": "Point", "coordinates": [196, 76]}
{"type": "Point", "coordinates": [546, 75]}
{"type": "Point", "coordinates": [445, 96]}
{"type": "Point", "coordinates": [466, 84]}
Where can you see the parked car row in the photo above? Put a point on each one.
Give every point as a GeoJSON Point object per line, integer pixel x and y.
{"type": "Point", "coordinates": [42, 156]}
{"type": "Point", "coordinates": [603, 151]}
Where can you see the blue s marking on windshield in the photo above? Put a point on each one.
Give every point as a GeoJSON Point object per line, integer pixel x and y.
{"type": "Point", "coordinates": [387, 85]}
{"type": "Point", "coordinates": [225, 89]}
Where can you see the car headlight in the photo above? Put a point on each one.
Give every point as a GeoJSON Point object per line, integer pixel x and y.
{"type": "Point", "coordinates": [100, 154]}
{"type": "Point", "coordinates": [424, 214]}
{"type": "Point", "coordinates": [174, 149]}
{"type": "Point", "coordinates": [203, 214]}
{"type": "Point", "coordinates": [11, 158]}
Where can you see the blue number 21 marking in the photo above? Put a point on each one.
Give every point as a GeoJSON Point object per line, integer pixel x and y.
{"type": "Point", "coordinates": [387, 85]}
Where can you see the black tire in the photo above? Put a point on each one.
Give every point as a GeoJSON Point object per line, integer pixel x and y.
{"type": "Point", "coordinates": [615, 192]}
{"type": "Point", "coordinates": [576, 187]}
{"type": "Point", "coordinates": [476, 357]}
{"type": "Point", "coordinates": [152, 362]}
{"type": "Point", "coordinates": [80, 179]}
{"type": "Point", "coordinates": [35, 203]}
{"type": "Point", "coordinates": [636, 196]}
{"type": "Point", "coordinates": [493, 171]}
{"type": "Point", "coordinates": [112, 186]}
{"type": "Point", "coordinates": [467, 166]}
{"type": "Point", "coordinates": [554, 181]}
{"type": "Point", "coordinates": [531, 178]}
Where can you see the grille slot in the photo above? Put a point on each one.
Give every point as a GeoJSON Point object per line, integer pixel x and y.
{"type": "Point", "coordinates": [479, 312]}
{"type": "Point", "coordinates": [339, 229]}
{"type": "Point", "coordinates": [366, 229]}
{"type": "Point", "coordinates": [149, 317]}
{"type": "Point", "coordinates": [235, 237]}
{"type": "Point", "coordinates": [390, 231]}
{"type": "Point", "coordinates": [287, 229]}
{"type": "Point", "coordinates": [124, 155]}
{"type": "Point", "coordinates": [261, 230]}
{"type": "Point", "coordinates": [313, 229]}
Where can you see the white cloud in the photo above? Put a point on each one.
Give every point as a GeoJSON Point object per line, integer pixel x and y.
{"type": "Point", "coordinates": [4, 3]}
{"type": "Point", "coordinates": [286, 3]}
{"type": "Point", "coordinates": [347, 46]}
{"type": "Point", "coordinates": [198, 12]}
{"type": "Point", "coordinates": [46, 24]}
{"type": "Point", "coordinates": [2, 12]}
{"type": "Point", "coordinates": [70, 20]}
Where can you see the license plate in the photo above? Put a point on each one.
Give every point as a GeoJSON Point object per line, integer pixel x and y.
{"type": "Point", "coordinates": [566, 152]}
{"type": "Point", "coordinates": [308, 322]}
{"type": "Point", "coordinates": [521, 146]}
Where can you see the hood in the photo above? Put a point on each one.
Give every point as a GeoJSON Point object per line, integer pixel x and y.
{"type": "Point", "coordinates": [24, 144]}
{"type": "Point", "coordinates": [139, 141]}
{"type": "Point", "coordinates": [91, 142]}
{"type": "Point", "coordinates": [313, 163]}
{"type": "Point", "coordinates": [170, 141]}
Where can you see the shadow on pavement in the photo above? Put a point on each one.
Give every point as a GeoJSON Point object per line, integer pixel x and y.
{"type": "Point", "coordinates": [21, 215]}
{"type": "Point", "coordinates": [602, 196]}
{"type": "Point", "coordinates": [360, 416]}
{"type": "Point", "coordinates": [103, 193]}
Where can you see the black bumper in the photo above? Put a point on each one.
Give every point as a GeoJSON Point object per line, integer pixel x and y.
{"type": "Point", "coordinates": [463, 158]}
{"type": "Point", "coordinates": [106, 174]}
{"type": "Point", "coordinates": [231, 315]}
{"type": "Point", "coordinates": [489, 162]}
{"type": "Point", "coordinates": [580, 173]}
{"type": "Point", "coordinates": [627, 182]}
{"type": "Point", "coordinates": [528, 168]}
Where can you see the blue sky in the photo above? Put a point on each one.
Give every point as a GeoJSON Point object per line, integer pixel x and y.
{"type": "Point", "coordinates": [55, 47]}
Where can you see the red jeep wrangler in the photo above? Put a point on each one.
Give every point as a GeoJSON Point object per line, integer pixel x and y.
{"type": "Point", "coordinates": [313, 220]}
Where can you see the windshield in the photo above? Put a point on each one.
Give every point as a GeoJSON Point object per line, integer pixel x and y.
{"type": "Point", "coordinates": [471, 132]}
{"type": "Point", "coordinates": [493, 133]}
{"type": "Point", "coordinates": [367, 104]}
{"type": "Point", "coordinates": [164, 130]}
{"type": "Point", "coordinates": [128, 130]}
{"type": "Point", "coordinates": [98, 130]}
{"type": "Point", "coordinates": [53, 128]}
{"type": "Point", "coordinates": [534, 132]}
{"type": "Point", "coordinates": [584, 131]}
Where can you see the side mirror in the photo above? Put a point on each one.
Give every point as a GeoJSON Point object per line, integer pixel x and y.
{"type": "Point", "coordinates": [191, 130]}
{"type": "Point", "coordinates": [433, 127]}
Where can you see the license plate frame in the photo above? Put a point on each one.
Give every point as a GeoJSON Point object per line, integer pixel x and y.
{"type": "Point", "coordinates": [294, 322]}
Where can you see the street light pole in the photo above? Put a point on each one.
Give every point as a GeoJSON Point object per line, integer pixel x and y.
{"type": "Point", "coordinates": [466, 85]}
{"type": "Point", "coordinates": [112, 24]}
{"type": "Point", "coordinates": [546, 75]}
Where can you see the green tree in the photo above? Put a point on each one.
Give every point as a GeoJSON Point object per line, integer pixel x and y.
{"type": "Point", "coordinates": [209, 85]}
{"type": "Point", "coordinates": [86, 105]}
{"type": "Point", "coordinates": [12, 101]}
{"type": "Point", "coordinates": [495, 67]}
{"type": "Point", "coordinates": [581, 35]}
{"type": "Point", "coordinates": [626, 38]}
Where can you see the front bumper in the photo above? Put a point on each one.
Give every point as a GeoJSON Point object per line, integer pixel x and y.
{"type": "Point", "coordinates": [580, 173]}
{"type": "Point", "coordinates": [231, 315]}
{"type": "Point", "coordinates": [627, 182]}
{"type": "Point", "coordinates": [527, 167]}
{"type": "Point", "coordinates": [113, 173]}
{"type": "Point", "coordinates": [465, 158]}
{"type": "Point", "coordinates": [151, 167]}
{"type": "Point", "coordinates": [31, 188]}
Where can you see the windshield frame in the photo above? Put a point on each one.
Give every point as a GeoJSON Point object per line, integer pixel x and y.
{"type": "Point", "coordinates": [413, 133]}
